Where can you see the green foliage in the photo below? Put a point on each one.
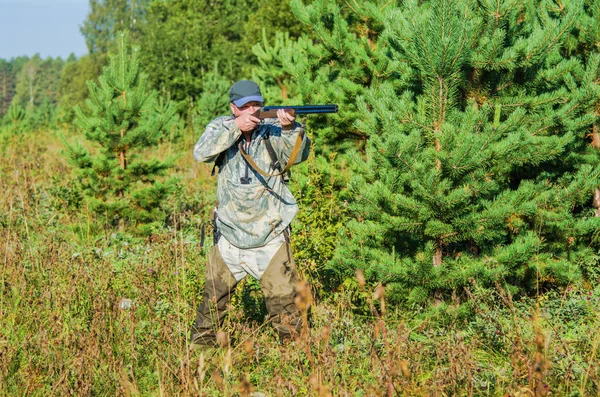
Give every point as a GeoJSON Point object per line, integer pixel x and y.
{"type": "Point", "coordinates": [34, 88]}
{"type": "Point", "coordinates": [334, 63]}
{"type": "Point", "coordinates": [37, 81]}
{"type": "Point", "coordinates": [268, 18]}
{"type": "Point", "coordinates": [28, 82]}
{"type": "Point", "coordinates": [14, 117]}
{"type": "Point", "coordinates": [7, 85]}
{"type": "Point", "coordinates": [199, 34]}
{"type": "Point", "coordinates": [107, 18]}
{"type": "Point", "coordinates": [123, 117]}
{"type": "Point", "coordinates": [250, 299]}
{"type": "Point", "coordinates": [42, 116]}
{"type": "Point", "coordinates": [214, 100]}
{"type": "Point", "coordinates": [183, 39]}
{"type": "Point", "coordinates": [276, 56]}
{"type": "Point", "coordinates": [476, 165]}
{"type": "Point", "coordinates": [73, 88]}
{"type": "Point", "coordinates": [316, 186]}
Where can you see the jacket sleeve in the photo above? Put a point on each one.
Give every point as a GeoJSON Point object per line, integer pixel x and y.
{"type": "Point", "coordinates": [219, 135]}
{"type": "Point", "coordinates": [284, 142]}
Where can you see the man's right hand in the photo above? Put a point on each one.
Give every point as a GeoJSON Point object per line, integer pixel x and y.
{"type": "Point", "coordinates": [246, 122]}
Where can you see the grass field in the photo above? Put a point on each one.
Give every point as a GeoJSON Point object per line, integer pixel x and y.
{"type": "Point", "coordinates": [85, 310]}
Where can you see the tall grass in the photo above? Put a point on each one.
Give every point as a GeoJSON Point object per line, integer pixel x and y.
{"type": "Point", "coordinates": [87, 311]}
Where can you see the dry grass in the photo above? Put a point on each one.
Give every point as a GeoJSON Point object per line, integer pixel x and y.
{"type": "Point", "coordinates": [88, 312]}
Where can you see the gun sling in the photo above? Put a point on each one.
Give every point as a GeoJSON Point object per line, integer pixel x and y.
{"type": "Point", "coordinates": [289, 164]}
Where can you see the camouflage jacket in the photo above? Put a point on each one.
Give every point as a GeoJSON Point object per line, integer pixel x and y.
{"type": "Point", "coordinates": [251, 211]}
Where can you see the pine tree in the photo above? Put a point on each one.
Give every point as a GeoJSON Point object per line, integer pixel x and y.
{"type": "Point", "coordinates": [476, 167]}
{"type": "Point", "coordinates": [335, 62]}
{"type": "Point", "coordinates": [214, 100]}
{"type": "Point", "coordinates": [7, 85]}
{"type": "Point", "coordinates": [29, 83]}
{"type": "Point", "coordinates": [277, 58]}
{"type": "Point", "coordinates": [14, 117]}
{"type": "Point", "coordinates": [124, 118]}
{"type": "Point", "coordinates": [37, 91]}
{"type": "Point", "coordinates": [183, 38]}
{"type": "Point", "coordinates": [72, 88]}
{"type": "Point", "coordinates": [270, 17]}
{"type": "Point", "coordinates": [583, 42]}
{"type": "Point", "coordinates": [107, 18]}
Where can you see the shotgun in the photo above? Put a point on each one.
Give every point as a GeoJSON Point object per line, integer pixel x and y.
{"type": "Point", "coordinates": [268, 112]}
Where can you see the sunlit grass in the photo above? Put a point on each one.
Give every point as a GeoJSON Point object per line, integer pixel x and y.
{"type": "Point", "coordinates": [88, 311]}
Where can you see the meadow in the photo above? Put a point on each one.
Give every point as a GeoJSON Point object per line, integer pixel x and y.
{"type": "Point", "coordinates": [86, 310]}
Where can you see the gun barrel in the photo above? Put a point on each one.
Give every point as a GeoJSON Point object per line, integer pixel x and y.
{"type": "Point", "coordinates": [306, 109]}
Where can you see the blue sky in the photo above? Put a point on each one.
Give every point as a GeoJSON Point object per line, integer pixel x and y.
{"type": "Point", "coordinates": [47, 27]}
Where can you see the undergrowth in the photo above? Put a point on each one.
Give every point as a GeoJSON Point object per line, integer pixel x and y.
{"type": "Point", "coordinates": [89, 311]}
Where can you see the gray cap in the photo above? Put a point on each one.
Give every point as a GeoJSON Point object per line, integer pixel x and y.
{"type": "Point", "coordinates": [245, 91]}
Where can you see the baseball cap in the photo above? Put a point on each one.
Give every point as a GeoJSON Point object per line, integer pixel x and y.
{"type": "Point", "coordinates": [245, 91]}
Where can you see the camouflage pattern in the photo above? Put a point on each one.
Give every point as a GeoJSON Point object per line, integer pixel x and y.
{"type": "Point", "coordinates": [251, 215]}
{"type": "Point", "coordinates": [278, 286]}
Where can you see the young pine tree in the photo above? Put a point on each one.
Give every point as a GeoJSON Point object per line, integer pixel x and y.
{"type": "Point", "coordinates": [214, 99]}
{"type": "Point", "coordinates": [584, 43]}
{"type": "Point", "coordinates": [123, 119]}
{"type": "Point", "coordinates": [14, 117]}
{"type": "Point", "coordinates": [335, 62]}
{"type": "Point", "coordinates": [476, 167]}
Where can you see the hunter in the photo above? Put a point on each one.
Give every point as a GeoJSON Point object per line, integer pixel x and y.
{"type": "Point", "coordinates": [254, 211]}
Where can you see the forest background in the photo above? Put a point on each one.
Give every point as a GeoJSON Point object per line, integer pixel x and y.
{"type": "Point", "coordinates": [449, 230]}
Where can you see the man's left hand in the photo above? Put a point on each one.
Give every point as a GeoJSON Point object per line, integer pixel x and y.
{"type": "Point", "coordinates": [286, 119]}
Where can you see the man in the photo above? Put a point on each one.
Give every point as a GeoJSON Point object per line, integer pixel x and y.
{"type": "Point", "coordinates": [253, 212]}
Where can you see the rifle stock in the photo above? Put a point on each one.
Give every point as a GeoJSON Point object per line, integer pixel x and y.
{"type": "Point", "coordinates": [268, 112]}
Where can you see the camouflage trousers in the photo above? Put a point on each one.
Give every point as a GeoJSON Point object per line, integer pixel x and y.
{"type": "Point", "coordinates": [278, 284]}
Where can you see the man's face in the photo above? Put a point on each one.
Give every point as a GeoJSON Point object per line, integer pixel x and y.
{"type": "Point", "coordinates": [250, 107]}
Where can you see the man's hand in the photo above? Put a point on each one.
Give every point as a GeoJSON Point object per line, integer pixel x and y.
{"type": "Point", "coordinates": [285, 118]}
{"type": "Point", "coordinates": [246, 122]}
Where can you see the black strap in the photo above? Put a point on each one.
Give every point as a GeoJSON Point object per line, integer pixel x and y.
{"type": "Point", "coordinates": [274, 160]}
{"type": "Point", "coordinates": [202, 234]}
{"type": "Point", "coordinates": [218, 162]}
{"type": "Point", "coordinates": [216, 232]}
{"type": "Point", "coordinates": [275, 164]}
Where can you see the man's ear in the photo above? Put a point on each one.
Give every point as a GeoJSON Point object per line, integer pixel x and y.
{"type": "Point", "coordinates": [234, 109]}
